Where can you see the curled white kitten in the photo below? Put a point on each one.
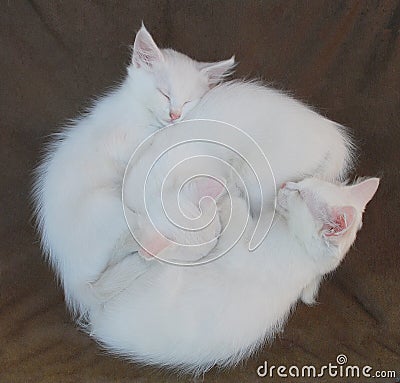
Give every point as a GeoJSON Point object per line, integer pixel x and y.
{"type": "Point", "coordinates": [194, 318]}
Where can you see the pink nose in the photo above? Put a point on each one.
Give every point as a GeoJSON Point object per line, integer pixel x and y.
{"type": "Point", "coordinates": [174, 115]}
{"type": "Point", "coordinates": [283, 185]}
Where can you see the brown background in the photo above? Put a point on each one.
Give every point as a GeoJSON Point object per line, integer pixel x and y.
{"type": "Point", "coordinates": [341, 56]}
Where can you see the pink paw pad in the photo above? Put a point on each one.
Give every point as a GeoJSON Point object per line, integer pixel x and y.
{"type": "Point", "coordinates": [152, 247]}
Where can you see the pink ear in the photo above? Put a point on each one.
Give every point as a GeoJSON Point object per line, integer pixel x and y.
{"type": "Point", "coordinates": [363, 192]}
{"type": "Point", "coordinates": [217, 71]}
{"type": "Point", "coordinates": [341, 219]}
{"type": "Point", "coordinates": [145, 51]}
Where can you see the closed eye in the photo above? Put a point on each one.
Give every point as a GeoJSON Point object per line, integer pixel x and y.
{"type": "Point", "coordinates": [187, 102]}
{"type": "Point", "coordinates": [294, 188]}
{"type": "Point", "coordinates": [164, 94]}
{"type": "Point", "coordinates": [296, 191]}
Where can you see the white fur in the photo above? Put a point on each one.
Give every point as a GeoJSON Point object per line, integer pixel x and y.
{"type": "Point", "coordinates": [77, 193]}
{"type": "Point", "coordinates": [193, 318]}
{"type": "Point", "coordinates": [78, 185]}
{"type": "Point", "coordinates": [297, 141]}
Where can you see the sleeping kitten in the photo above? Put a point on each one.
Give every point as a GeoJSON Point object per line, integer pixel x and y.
{"type": "Point", "coordinates": [193, 318]}
{"type": "Point", "coordinates": [168, 83]}
{"type": "Point", "coordinates": [78, 185]}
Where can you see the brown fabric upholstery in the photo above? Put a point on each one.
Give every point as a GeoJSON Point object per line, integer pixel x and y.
{"type": "Point", "coordinates": [342, 57]}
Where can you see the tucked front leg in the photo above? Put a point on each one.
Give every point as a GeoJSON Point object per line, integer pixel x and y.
{"type": "Point", "coordinates": [118, 277]}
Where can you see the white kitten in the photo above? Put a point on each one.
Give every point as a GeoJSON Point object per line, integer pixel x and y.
{"type": "Point", "coordinates": [78, 188]}
{"type": "Point", "coordinates": [297, 141]}
{"type": "Point", "coordinates": [168, 83]}
{"type": "Point", "coordinates": [193, 318]}
{"type": "Point", "coordinates": [78, 185]}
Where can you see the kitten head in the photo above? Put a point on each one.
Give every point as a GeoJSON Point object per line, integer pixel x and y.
{"type": "Point", "coordinates": [325, 215]}
{"type": "Point", "coordinates": [170, 82]}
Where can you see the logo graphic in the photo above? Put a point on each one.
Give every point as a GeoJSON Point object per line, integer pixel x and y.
{"type": "Point", "coordinates": [193, 189]}
{"type": "Point", "coordinates": [341, 359]}
{"type": "Point", "coordinates": [331, 370]}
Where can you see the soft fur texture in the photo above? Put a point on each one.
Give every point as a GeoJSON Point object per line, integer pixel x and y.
{"type": "Point", "coordinates": [78, 189]}
{"type": "Point", "coordinates": [297, 141]}
{"type": "Point", "coordinates": [77, 193]}
{"type": "Point", "coordinates": [193, 318]}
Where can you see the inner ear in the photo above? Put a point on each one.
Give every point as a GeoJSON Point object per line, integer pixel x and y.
{"type": "Point", "coordinates": [339, 221]}
{"type": "Point", "coordinates": [145, 51]}
{"type": "Point", "coordinates": [217, 71]}
{"type": "Point", "coordinates": [363, 192]}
